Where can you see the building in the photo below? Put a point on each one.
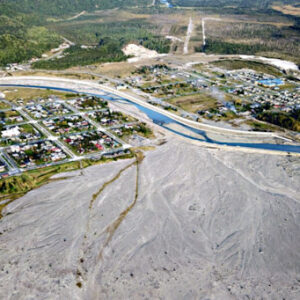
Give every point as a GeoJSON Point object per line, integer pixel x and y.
{"type": "Point", "coordinates": [11, 132]}
{"type": "Point", "coordinates": [270, 82]}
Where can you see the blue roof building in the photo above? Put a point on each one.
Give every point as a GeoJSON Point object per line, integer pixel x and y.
{"type": "Point", "coordinates": [271, 82]}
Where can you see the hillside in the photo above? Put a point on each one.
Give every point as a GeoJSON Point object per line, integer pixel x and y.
{"type": "Point", "coordinates": [24, 31]}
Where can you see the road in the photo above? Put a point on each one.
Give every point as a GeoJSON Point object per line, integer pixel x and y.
{"type": "Point", "coordinates": [12, 167]}
{"type": "Point", "coordinates": [10, 164]}
{"type": "Point", "coordinates": [47, 133]}
{"type": "Point", "coordinates": [76, 16]}
{"type": "Point", "coordinates": [95, 124]}
{"type": "Point", "coordinates": [203, 32]}
{"type": "Point", "coordinates": [188, 37]}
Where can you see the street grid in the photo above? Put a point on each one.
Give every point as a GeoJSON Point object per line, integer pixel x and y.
{"type": "Point", "coordinates": [48, 137]}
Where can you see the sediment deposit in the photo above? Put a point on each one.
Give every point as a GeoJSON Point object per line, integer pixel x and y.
{"type": "Point", "coordinates": [206, 224]}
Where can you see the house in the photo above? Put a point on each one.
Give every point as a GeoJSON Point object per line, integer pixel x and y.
{"type": "Point", "coordinates": [99, 147]}
{"type": "Point", "coordinates": [11, 132]}
{"type": "Point", "coordinates": [2, 167]}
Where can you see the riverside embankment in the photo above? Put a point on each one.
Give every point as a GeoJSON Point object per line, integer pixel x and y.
{"type": "Point", "coordinates": [257, 140]}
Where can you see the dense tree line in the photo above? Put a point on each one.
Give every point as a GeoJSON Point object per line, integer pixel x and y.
{"type": "Point", "coordinates": [251, 38]}
{"type": "Point", "coordinates": [64, 7]}
{"type": "Point", "coordinates": [74, 56]}
{"type": "Point", "coordinates": [215, 46]}
{"type": "Point", "coordinates": [221, 3]}
{"type": "Point", "coordinates": [286, 120]}
{"type": "Point", "coordinates": [108, 50]}
{"type": "Point", "coordinates": [133, 30]}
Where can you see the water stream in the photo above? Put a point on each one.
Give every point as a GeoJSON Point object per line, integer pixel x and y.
{"type": "Point", "coordinates": [163, 120]}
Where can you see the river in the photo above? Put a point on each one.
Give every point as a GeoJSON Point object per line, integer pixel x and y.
{"type": "Point", "coordinates": [163, 120]}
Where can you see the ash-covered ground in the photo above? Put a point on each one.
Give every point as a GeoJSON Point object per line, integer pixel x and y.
{"type": "Point", "coordinates": [185, 223]}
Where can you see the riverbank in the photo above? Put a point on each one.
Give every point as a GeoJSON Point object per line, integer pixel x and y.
{"type": "Point", "coordinates": [157, 115]}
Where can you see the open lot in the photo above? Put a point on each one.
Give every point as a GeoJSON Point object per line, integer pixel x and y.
{"type": "Point", "coordinates": [26, 95]}
{"type": "Point", "coordinates": [125, 131]}
{"type": "Point", "coordinates": [288, 9]}
{"type": "Point", "coordinates": [194, 103]}
{"type": "Point", "coordinates": [4, 105]}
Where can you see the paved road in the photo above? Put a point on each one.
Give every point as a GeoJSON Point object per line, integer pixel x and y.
{"type": "Point", "coordinates": [95, 124]}
{"type": "Point", "coordinates": [13, 168]}
{"type": "Point", "coordinates": [47, 134]}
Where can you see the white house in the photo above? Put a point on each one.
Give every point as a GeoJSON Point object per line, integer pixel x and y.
{"type": "Point", "coordinates": [11, 132]}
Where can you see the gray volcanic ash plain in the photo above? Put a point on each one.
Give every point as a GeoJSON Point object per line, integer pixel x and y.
{"type": "Point", "coordinates": [185, 223]}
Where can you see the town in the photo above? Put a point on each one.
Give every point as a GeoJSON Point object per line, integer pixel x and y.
{"type": "Point", "coordinates": [209, 93]}
{"type": "Point", "coordinates": [43, 132]}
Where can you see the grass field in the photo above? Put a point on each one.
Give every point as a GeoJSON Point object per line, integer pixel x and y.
{"type": "Point", "coordinates": [12, 94]}
{"type": "Point", "coordinates": [69, 73]}
{"type": "Point", "coordinates": [194, 103]}
{"type": "Point", "coordinates": [4, 105]}
{"type": "Point", "coordinates": [115, 70]}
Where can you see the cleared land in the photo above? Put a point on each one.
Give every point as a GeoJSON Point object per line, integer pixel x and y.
{"type": "Point", "coordinates": [288, 9]}
{"type": "Point", "coordinates": [26, 94]}
{"type": "Point", "coordinates": [194, 103]}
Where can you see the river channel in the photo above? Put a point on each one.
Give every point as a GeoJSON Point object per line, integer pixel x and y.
{"type": "Point", "coordinates": [163, 120]}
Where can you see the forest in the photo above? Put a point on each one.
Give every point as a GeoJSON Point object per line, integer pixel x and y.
{"type": "Point", "coordinates": [106, 41]}
{"type": "Point", "coordinates": [20, 41]}
{"type": "Point", "coordinates": [30, 28]}
{"type": "Point", "coordinates": [286, 120]}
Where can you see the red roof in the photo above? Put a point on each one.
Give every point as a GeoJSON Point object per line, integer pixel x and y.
{"type": "Point", "coordinates": [100, 147]}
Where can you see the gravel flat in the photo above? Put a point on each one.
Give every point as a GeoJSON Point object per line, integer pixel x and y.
{"type": "Point", "coordinates": [207, 224]}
